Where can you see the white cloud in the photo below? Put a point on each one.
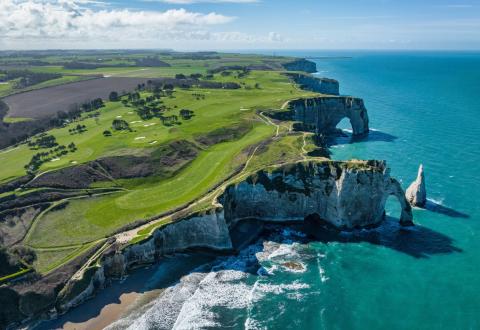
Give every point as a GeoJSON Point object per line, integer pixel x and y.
{"type": "Point", "coordinates": [188, 2]}
{"type": "Point", "coordinates": [275, 37]}
{"type": "Point", "coordinates": [73, 19]}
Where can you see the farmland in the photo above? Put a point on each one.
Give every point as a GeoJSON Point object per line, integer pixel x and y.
{"type": "Point", "coordinates": [46, 102]}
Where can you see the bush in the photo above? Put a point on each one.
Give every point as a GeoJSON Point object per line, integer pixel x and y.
{"type": "Point", "coordinates": [113, 97]}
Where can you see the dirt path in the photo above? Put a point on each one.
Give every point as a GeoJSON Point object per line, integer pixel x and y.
{"type": "Point", "coordinates": [268, 121]}
{"type": "Point", "coordinates": [127, 236]}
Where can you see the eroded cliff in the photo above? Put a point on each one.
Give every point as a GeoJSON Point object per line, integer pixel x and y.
{"type": "Point", "coordinates": [345, 195]}
{"type": "Point", "coordinates": [314, 84]}
{"type": "Point", "coordinates": [322, 114]}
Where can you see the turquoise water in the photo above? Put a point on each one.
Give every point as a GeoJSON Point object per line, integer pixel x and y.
{"type": "Point", "coordinates": [423, 108]}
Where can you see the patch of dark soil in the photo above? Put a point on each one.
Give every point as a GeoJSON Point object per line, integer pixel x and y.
{"type": "Point", "coordinates": [164, 161]}
{"type": "Point", "coordinates": [77, 177]}
{"type": "Point", "coordinates": [14, 184]}
{"type": "Point", "coordinates": [15, 223]}
{"type": "Point", "coordinates": [37, 197]}
{"type": "Point", "coordinates": [46, 102]}
{"type": "Point", "coordinates": [224, 134]}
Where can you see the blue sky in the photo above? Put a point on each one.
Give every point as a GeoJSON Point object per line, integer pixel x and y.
{"type": "Point", "coordinates": [240, 24]}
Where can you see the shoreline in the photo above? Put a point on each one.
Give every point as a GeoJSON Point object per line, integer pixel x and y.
{"type": "Point", "coordinates": [123, 297]}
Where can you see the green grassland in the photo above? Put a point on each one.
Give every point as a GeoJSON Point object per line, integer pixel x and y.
{"type": "Point", "coordinates": [62, 233]}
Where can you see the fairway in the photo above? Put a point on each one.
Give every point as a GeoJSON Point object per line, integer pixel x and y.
{"type": "Point", "coordinates": [70, 225]}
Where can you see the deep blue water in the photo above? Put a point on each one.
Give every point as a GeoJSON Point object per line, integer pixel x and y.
{"type": "Point", "coordinates": [423, 108]}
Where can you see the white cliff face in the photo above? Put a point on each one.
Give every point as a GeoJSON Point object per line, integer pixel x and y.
{"type": "Point", "coordinates": [322, 114]}
{"type": "Point", "coordinates": [314, 84]}
{"type": "Point", "coordinates": [345, 196]}
{"type": "Point", "coordinates": [417, 193]}
{"type": "Point", "coordinates": [202, 231]}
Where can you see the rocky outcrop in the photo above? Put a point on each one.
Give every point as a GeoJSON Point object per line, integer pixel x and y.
{"type": "Point", "coordinates": [200, 231]}
{"type": "Point", "coordinates": [346, 195]}
{"type": "Point", "coordinates": [301, 65]}
{"type": "Point", "coordinates": [322, 114]}
{"type": "Point", "coordinates": [416, 193]}
{"type": "Point", "coordinates": [314, 84]}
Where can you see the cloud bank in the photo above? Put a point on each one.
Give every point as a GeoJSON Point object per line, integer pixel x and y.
{"type": "Point", "coordinates": [64, 19]}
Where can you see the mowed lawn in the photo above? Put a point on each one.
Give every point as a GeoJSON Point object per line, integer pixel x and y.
{"type": "Point", "coordinates": [84, 220]}
{"type": "Point", "coordinates": [88, 219]}
{"type": "Point", "coordinates": [220, 108]}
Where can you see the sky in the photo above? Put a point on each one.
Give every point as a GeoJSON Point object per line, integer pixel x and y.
{"type": "Point", "coordinates": [240, 24]}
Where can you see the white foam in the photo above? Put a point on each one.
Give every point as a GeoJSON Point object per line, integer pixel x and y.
{"type": "Point", "coordinates": [55, 159]}
{"type": "Point", "coordinates": [217, 289]}
{"type": "Point", "coordinates": [321, 271]}
{"type": "Point", "coordinates": [119, 116]}
{"type": "Point", "coordinates": [140, 138]}
{"type": "Point", "coordinates": [148, 125]}
{"type": "Point", "coordinates": [135, 122]}
{"type": "Point", "coordinates": [438, 201]}
{"type": "Point", "coordinates": [282, 288]}
{"type": "Point", "coordinates": [153, 142]}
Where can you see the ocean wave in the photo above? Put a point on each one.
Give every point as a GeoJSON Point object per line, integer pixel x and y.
{"type": "Point", "coordinates": [321, 270]}
{"type": "Point", "coordinates": [282, 288]}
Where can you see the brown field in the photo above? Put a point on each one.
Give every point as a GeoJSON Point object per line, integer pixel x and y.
{"type": "Point", "coordinates": [45, 102]}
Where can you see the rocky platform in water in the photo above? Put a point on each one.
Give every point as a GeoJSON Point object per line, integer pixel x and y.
{"type": "Point", "coordinates": [341, 195]}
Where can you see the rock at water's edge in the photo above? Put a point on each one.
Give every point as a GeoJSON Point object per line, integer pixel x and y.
{"type": "Point", "coordinates": [417, 194]}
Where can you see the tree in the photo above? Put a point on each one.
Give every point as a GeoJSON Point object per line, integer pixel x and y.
{"type": "Point", "coordinates": [107, 133]}
{"type": "Point", "coordinates": [72, 147]}
{"type": "Point", "coordinates": [180, 76]}
{"type": "Point", "coordinates": [186, 114]}
{"type": "Point", "coordinates": [196, 76]}
{"type": "Point", "coordinates": [120, 124]}
{"type": "Point", "coordinates": [113, 97]}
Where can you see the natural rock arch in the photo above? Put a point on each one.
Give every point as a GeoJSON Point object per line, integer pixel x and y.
{"type": "Point", "coordinates": [395, 189]}
{"type": "Point", "coordinates": [322, 114]}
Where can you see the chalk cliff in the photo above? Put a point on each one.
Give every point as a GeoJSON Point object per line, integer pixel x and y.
{"type": "Point", "coordinates": [344, 195]}
{"type": "Point", "coordinates": [314, 84]}
{"type": "Point", "coordinates": [301, 65]}
{"type": "Point", "coordinates": [417, 193]}
{"type": "Point", "coordinates": [322, 114]}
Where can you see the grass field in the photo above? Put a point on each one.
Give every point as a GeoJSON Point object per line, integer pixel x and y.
{"type": "Point", "coordinates": [60, 234]}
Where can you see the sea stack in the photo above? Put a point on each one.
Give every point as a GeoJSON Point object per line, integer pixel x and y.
{"type": "Point", "coordinates": [417, 194]}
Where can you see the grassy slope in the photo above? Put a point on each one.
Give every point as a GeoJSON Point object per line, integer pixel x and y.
{"type": "Point", "coordinates": [97, 217]}
{"type": "Point", "coordinates": [89, 219]}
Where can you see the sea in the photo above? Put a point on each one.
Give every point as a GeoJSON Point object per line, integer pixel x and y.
{"type": "Point", "coordinates": [424, 108]}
